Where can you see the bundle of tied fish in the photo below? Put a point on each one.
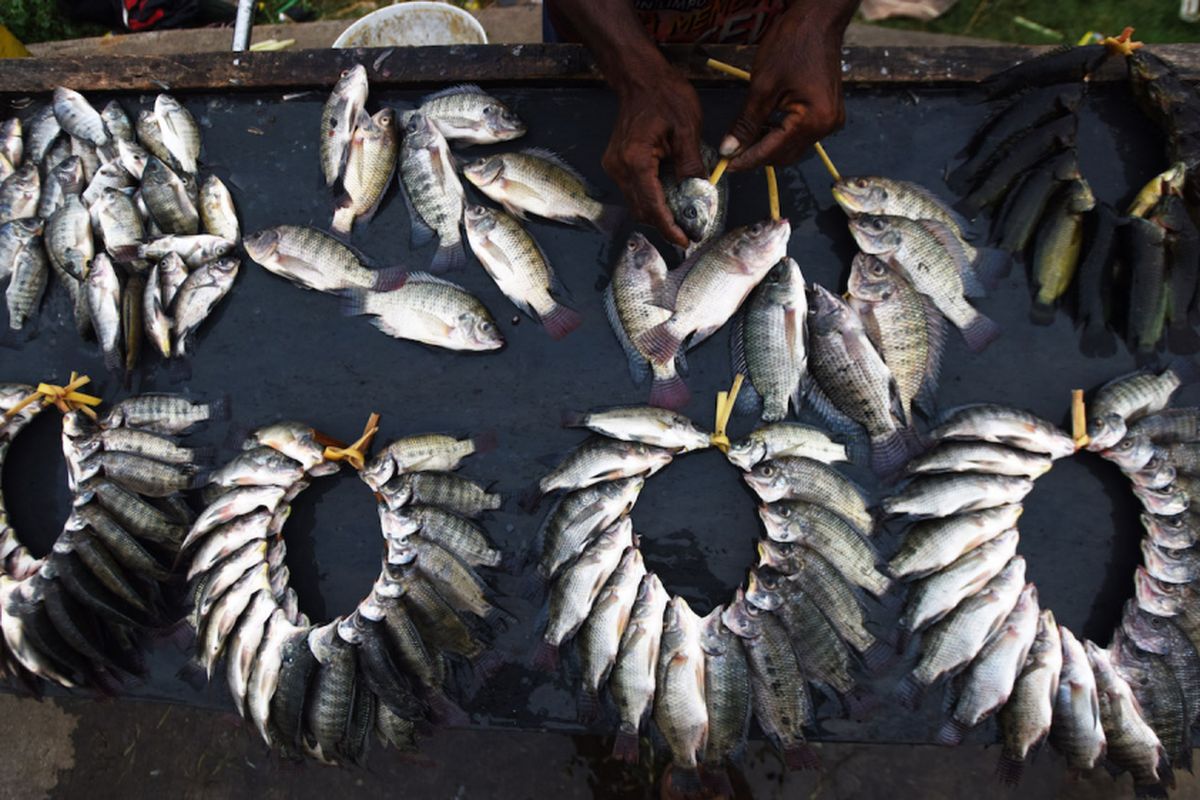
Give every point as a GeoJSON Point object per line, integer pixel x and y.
{"type": "Point", "coordinates": [77, 617]}
{"type": "Point", "coordinates": [387, 667]}
{"type": "Point", "coordinates": [799, 620]}
{"type": "Point", "coordinates": [113, 209]}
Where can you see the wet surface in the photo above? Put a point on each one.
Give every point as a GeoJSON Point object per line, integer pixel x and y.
{"type": "Point", "coordinates": [283, 353]}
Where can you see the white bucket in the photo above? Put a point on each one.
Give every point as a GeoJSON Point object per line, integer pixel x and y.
{"type": "Point", "coordinates": [415, 24]}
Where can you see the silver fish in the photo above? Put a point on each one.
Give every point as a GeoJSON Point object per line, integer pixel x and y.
{"type": "Point", "coordinates": [111, 176]}
{"type": "Point", "coordinates": [77, 117]}
{"type": "Point", "coordinates": [578, 517]}
{"type": "Point", "coordinates": [933, 597]}
{"type": "Point", "coordinates": [154, 315]}
{"type": "Point", "coordinates": [116, 122]}
{"type": "Point", "coordinates": [1130, 742]}
{"type": "Point", "coordinates": [1128, 398]}
{"type": "Point", "coordinates": [218, 216]}
{"type": "Point", "coordinates": [68, 238]}
{"type": "Point", "coordinates": [30, 273]}
{"type": "Point", "coordinates": [369, 168]}
{"type": "Point", "coordinates": [793, 478]}
{"type": "Point", "coordinates": [1077, 732]}
{"type": "Point", "coordinates": [180, 133]}
{"type": "Point", "coordinates": [118, 223]}
{"type": "Point", "coordinates": [338, 118]}
{"type": "Point", "coordinates": [679, 708]}
{"type": "Point", "coordinates": [540, 182]}
{"type": "Point", "coordinates": [769, 345]}
{"type": "Point", "coordinates": [1026, 718]}
{"type": "Point", "coordinates": [600, 638]}
{"type": "Point", "coordinates": [633, 680]}
{"type": "Point", "coordinates": [41, 133]}
{"type": "Point", "coordinates": [466, 113]}
{"type": "Point", "coordinates": [310, 258]}
{"type": "Point", "coordinates": [647, 424]}
{"type": "Point", "coordinates": [12, 147]}
{"type": "Point", "coordinates": [195, 250]}
{"type": "Point", "coordinates": [822, 530]}
{"type": "Point", "coordinates": [945, 495]}
{"type": "Point", "coordinates": [1004, 425]}
{"type": "Point", "coordinates": [599, 459]}
{"type": "Point", "coordinates": [427, 309]}
{"type": "Point", "coordinates": [933, 544]}
{"type": "Point", "coordinates": [200, 293]}
{"type": "Point", "coordinates": [993, 459]}
{"type": "Point", "coordinates": [783, 439]}
{"type": "Point", "coordinates": [168, 199]}
{"type": "Point", "coordinates": [172, 272]}
{"type": "Point", "coordinates": [149, 136]}
{"type": "Point", "coordinates": [20, 192]}
{"type": "Point", "coordinates": [434, 192]}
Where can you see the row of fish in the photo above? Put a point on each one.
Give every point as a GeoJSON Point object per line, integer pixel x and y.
{"type": "Point", "coordinates": [76, 617]}
{"type": "Point", "coordinates": [800, 619]}
{"type": "Point", "coordinates": [320, 690]}
{"type": "Point", "coordinates": [112, 207]}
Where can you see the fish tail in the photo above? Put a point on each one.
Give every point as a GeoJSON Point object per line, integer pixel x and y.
{"type": "Point", "coordinates": [1042, 313]}
{"type": "Point", "coordinates": [124, 253]}
{"type": "Point", "coordinates": [910, 692]}
{"type": "Point", "coordinates": [545, 657]}
{"type": "Point", "coordinates": [1009, 770]}
{"type": "Point", "coordinates": [991, 265]}
{"type": "Point", "coordinates": [445, 711]}
{"type": "Point", "coordinates": [685, 781]}
{"type": "Point", "coordinates": [343, 219]}
{"type": "Point", "coordinates": [200, 479]}
{"type": "Point", "coordinates": [889, 452]}
{"type": "Point", "coordinates": [355, 302]}
{"type": "Point", "coordinates": [717, 781]}
{"type": "Point", "coordinates": [625, 746]}
{"type": "Point", "coordinates": [660, 343]}
{"type": "Point", "coordinates": [390, 279]}
{"type": "Point", "coordinates": [485, 442]}
{"type": "Point", "coordinates": [860, 702]}
{"type": "Point", "coordinates": [612, 217]}
{"type": "Point", "coordinates": [799, 756]}
{"type": "Point", "coordinates": [487, 665]}
{"type": "Point", "coordinates": [588, 704]}
{"type": "Point", "coordinates": [951, 733]}
{"type": "Point", "coordinates": [1097, 340]}
{"type": "Point", "coordinates": [573, 419]}
{"type": "Point", "coordinates": [560, 321]}
{"type": "Point", "coordinates": [669, 392]}
{"type": "Point", "coordinates": [450, 257]}
{"type": "Point", "coordinates": [980, 332]}
{"type": "Point", "coordinates": [879, 656]}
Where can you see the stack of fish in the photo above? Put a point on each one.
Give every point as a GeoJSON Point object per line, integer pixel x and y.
{"type": "Point", "coordinates": [799, 619]}
{"type": "Point", "coordinates": [321, 689]}
{"type": "Point", "coordinates": [75, 617]}
{"type": "Point", "coordinates": [112, 208]}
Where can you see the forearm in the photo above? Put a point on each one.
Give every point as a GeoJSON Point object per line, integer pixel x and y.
{"type": "Point", "coordinates": [613, 33]}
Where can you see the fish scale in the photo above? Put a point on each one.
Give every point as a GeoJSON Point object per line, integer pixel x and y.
{"type": "Point", "coordinates": [30, 274]}
{"type": "Point", "coordinates": [1159, 697]}
{"type": "Point", "coordinates": [933, 597]}
{"type": "Point", "coordinates": [433, 189]}
{"type": "Point", "coordinates": [536, 182]}
{"type": "Point", "coordinates": [679, 709]}
{"type": "Point", "coordinates": [638, 297]}
{"type": "Point", "coordinates": [1131, 743]}
{"type": "Point", "coordinates": [369, 169]}
{"type": "Point", "coordinates": [726, 689]}
{"type": "Point", "coordinates": [309, 258]}
{"type": "Point", "coordinates": [19, 193]}
{"type": "Point", "coordinates": [338, 117]}
{"type": "Point", "coordinates": [466, 113]}
{"type": "Point", "coordinates": [599, 458]}
{"type": "Point", "coordinates": [199, 294]}
{"type": "Point", "coordinates": [600, 637]}
{"type": "Point", "coordinates": [877, 195]}
{"type": "Point", "coordinates": [933, 544]}
{"type": "Point", "coordinates": [1026, 718]}
{"type": "Point", "coordinates": [426, 309]}
{"type": "Point", "coordinates": [820, 529]}
{"type": "Point", "coordinates": [632, 681]}
{"type": "Point", "coordinates": [1129, 397]}
{"type": "Point", "coordinates": [768, 342]}
{"type": "Point", "coordinates": [799, 478]}
{"type": "Point", "coordinates": [945, 495]}
{"type": "Point", "coordinates": [441, 489]}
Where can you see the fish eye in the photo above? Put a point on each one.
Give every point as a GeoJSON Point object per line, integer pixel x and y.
{"type": "Point", "coordinates": [631, 245]}
{"type": "Point", "coordinates": [756, 229]}
{"type": "Point", "coordinates": [486, 327]}
{"type": "Point", "coordinates": [345, 73]}
{"type": "Point", "coordinates": [691, 213]}
{"type": "Point", "coordinates": [877, 268]}
{"type": "Point", "coordinates": [861, 183]}
{"type": "Point", "coordinates": [768, 471]}
{"type": "Point", "coordinates": [489, 110]}
{"type": "Point", "coordinates": [785, 512]}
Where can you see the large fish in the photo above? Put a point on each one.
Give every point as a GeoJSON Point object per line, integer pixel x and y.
{"type": "Point", "coordinates": [726, 689]}
{"type": "Point", "coordinates": [427, 309]}
{"type": "Point", "coordinates": [434, 192]}
{"type": "Point", "coordinates": [679, 707]}
{"type": "Point", "coordinates": [338, 118]}
{"type": "Point", "coordinates": [1026, 718]}
{"type": "Point", "coordinates": [466, 113]}
{"type": "Point", "coordinates": [540, 183]}
{"type": "Point", "coordinates": [1004, 425]}
{"type": "Point", "coordinates": [1130, 397]}
{"type": "Point", "coordinates": [769, 345]}
{"type": "Point", "coordinates": [312, 259]}
{"type": "Point", "coordinates": [180, 133]}
{"type": "Point", "coordinates": [634, 673]}
{"type": "Point", "coordinates": [369, 169]}
{"type": "Point", "coordinates": [1130, 742]}
{"type": "Point", "coordinates": [77, 117]}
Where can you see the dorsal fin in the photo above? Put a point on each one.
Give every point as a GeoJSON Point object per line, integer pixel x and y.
{"type": "Point", "coordinates": [425, 277]}
{"type": "Point", "coordinates": [554, 158]}
{"type": "Point", "coordinates": [462, 88]}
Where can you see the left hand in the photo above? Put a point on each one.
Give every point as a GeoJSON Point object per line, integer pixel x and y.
{"type": "Point", "coordinates": [798, 73]}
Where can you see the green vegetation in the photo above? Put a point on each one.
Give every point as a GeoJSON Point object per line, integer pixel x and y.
{"type": "Point", "coordinates": [43, 21]}
{"type": "Point", "coordinates": [1155, 20]}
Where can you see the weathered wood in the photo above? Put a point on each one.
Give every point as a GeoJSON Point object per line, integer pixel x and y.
{"type": "Point", "coordinates": [508, 64]}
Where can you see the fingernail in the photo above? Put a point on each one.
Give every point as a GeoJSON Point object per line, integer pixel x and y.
{"type": "Point", "coordinates": [729, 146]}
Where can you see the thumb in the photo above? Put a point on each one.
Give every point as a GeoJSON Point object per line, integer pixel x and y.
{"type": "Point", "coordinates": [685, 151]}
{"type": "Point", "coordinates": [748, 126]}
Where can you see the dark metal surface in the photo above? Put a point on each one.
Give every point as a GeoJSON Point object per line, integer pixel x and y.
{"type": "Point", "coordinates": [281, 352]}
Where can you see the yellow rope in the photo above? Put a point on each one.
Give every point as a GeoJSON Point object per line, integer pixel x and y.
{"type": "Point", "coordinates": [718, 171]}
{"type": "Point", "coordinates": [356, 454]}
{"type": "Point", "coordinates": [772, 191]}
{"type": "Point", "coordinates": [728, 69]}
{"type": "Point", "coordinates": [1122, 45]}
{"type": "Point", "coordinates": [833, 171]}
{"type": "Point", "coordinates": [1079, 419]}
{"type": "Point", "coordinates": [64, 398]}
{"type": "Point", "coordinates": [725, 402]}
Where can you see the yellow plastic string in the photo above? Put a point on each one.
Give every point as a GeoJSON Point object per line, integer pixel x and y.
{"type": "Point", "coordinates": [64, 398]}
{"type": "Point", "coordinates": [356, 454]}
{"type": "Point", "coordinates": [1085, 39]}
{"type": "Point", "coordinates": [772, 191]}
{"type": "Point", "coordinates": [1122, 45]}
{"type": "Point", "coordinates": [728, 69]}
{"type": "Point", "coordinates": [827, 161]}
{"type": "Point", "coordinates": [1079, 419]}
{"type": "Point", "coordinates": [725, 401]}
{"type": "Point", "coordinates": [718, 171]}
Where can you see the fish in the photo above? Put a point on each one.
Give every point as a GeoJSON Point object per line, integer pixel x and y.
{"type": "Point", "coordinates": [697, 205]}
{"type": "Point", "coordinates": [1026, 204]}
{"type": "Point", "coordinates": [20, 192]}
{"type": "Point", "coordinates": [1025, 153]}
{"type": "Point", "coordinates": [1060, 65]}
{"type": "Point", "coordinates": [991, 678]}
{"type": "Point", "coordinates": [715, 282]}
{"type": "Point", "coordinates": [798, 478]}
{"type": "Point", "coordinates": [638, 297]}
{"type": "Point", "coordinates": [465, 113]}
{"type": "Point", "coordinates": [1094, 286]}
{"type": "Point", "coordinates": [935, 596]}
{"type": "Point", "coordinates": [768, 343]}
{"type": "Point", "coordinates": [77, 117]}
{"type": "Point", "coordinates": [131, 319]}
{"type": "Point", "coordinates": [433, 451]}
{"type": "Point", "coordinates": [23, 257]}
{"type": "Point", "coordinates": [952, 456]}
{"type": "Point", "coordinates": [903, 325]}
{"type": "Point", "coordinates": [1005, 425]}
{"type": "Point", "coordinates": [261, 466]}
{"type": "Point", "coordinates": [149, 136]}
{"type": "Point", "coordinates": [168, 198]}
{"type": "Point", "coordinates": [1149, 295]}
{"type": "Point", "coordinates": [180, 133]}
{"type": "Point", "coordinates": [519, 268]}
{"type": "Point", "coordinates": [40, 134]}
{"type": "Point", "coordinates": [599, 458]}
{"type": "Point", "coordinates": [312, 259]}
{"type": "Point", "coordinates": [68, 238]}
{"type": "Point", "coordinates": [200, 293]}
{"type": "Point", "coordinates": [133, 512]}
{"type": "Point", "coordinates": [442, 490]}
{"type": "Point", "coordinates": [370, 165]}
{"type": "Point", "coordinates": [934, 262]}
{"type": "Point", "coordinates": [427, 309]}
{"type": "Point", "coordinates": [434, 192]}
{"type": "Point", "coordinates": [1164, 502]}
{"type": "Point", "coordinates": [12, 146]}
{"type": "Point", "coordinates": [89, 159]}
{"type": "Point", "coordinates": [539, 182]}
{"type": "Point", "coordinates": [1026, 718]}
{"type": "Point", "coordinates": [466, 540]}
{"type": "Point", "coordinates": [196, 250]}
{"type": "Point", "coordinates": [679, 707]}
{"type": "Point", "coordinates": [1131, 743]}
{"type": "Point", "coordinates": [1169, 426]}
{"type": "Point", "coordinates": [242, 646]}
{"type": "Point", "coordinates": [6, 167]}
{"type": "Point", "coordinates": [1156, 474]}
{"type": "Point", "coordinates": [954, 641]}
{"type": "Point", "coordinates": [338, 118]}
{"type": "Point", "coordinates": [1173, 533]}
{"type": "Point", "coordinates": [295, 440]}
{"type": "Point", "coordinates": [649, 425]}
{"type": "Point", "coordinates": [782, 439]}
{"type": "Point", "coordinates": [578, 517]}
{"type": "Point", "coordinates": [600, 637]}
{"type": "Point", "coordinates": [1163, 637]}
{"type": "Point", "coordinates": [225, 613]}
{"type": "Point", "coordinates": [116, 123]}
{"type": "Point", "coordinates": [934, 544]}
{"type": "Point", "coordinates": [1077, 732]}
{"type": "Point", "coordinates": [59, 152]}
{"type": "Point", "coordinates": [214, 546]}
{"type": "Point", "coordinates": [381, 675]}
{"type": "Point", "coordinates": [147, 476]}
{"type": "Point", "coordinates": [120, 226]}
{"type": "Point", "coordinates": [112, 175]}
{"type": "Point", "coordinates": [945, 495]}
{"type": "Point", "coordinates": [103, 287]}
{"type": "Point", "coordinates": [1183, 269]}
{"type": "Point", "coordinates": [1035, 108]}
{"type": "Point", "coordinates": [264, 673]}
{"type": "Point", "coordinates": [157, 323]}
{"type": "Point", "coordinates": [633, 679]}
{"type": "Point", "coordinates": [1170, 566]}
{"type": "Point", "coordinates": [1158, 694]}
{"type": "Point", "coordinates": [165, 413]}
{"type": "Point", "coordinates": [1129, 397]}
{"type": "Point", "coordinates": [172, 272]}
{"type": "Point", "coordinates": [1058, 245]}
{"type": "Point", "coordinates": [820, 529]}
{"type": "Point", "coordinates": [576, 588]}
{"type": "Point", "coordinates": [779, 692]}
{"type": "Point", "coordinates": [1170, 181]}
{"type": "Point", "coordinates": [218, 215]}
{"type": "Point", "coordinates": [460, 585]}
{"type": "Point", "coordinates": [727, 692]}
{"type": "Point", "coordinates": [122, 544]}
{"type": "Point", "coordinates": [851, 386]}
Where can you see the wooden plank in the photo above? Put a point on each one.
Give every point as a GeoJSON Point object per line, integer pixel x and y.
{"type": "Point", "coordinates": [508, 64]}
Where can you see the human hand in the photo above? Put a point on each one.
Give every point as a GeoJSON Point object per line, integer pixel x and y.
{"type": "Point", "coordinates": [797, 73]}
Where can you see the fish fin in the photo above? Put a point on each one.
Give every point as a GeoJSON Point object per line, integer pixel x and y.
{"type": "Point", "coordinates": [1042, 313]}
{"type": "Point", "coordinates": [588, 705]}
{"type": "Point", "coordinates": [449, 258]}
{"type": "Point", "coordinates": [545, 657]}
{"type": "Point", "coordinates": [980, 332]}
{"type": "Point", "coordinates": [124, 254]}
{"type": "Point", "coordinates": [639, 368]}
{"type": "Point", "coordinates": [343, 217]}
{"type": "Point", "coordinates": [485, 442]}
{"type": "Point", "coordinates": [681, 363]}
{"type": "Point", "coordinates": [931, 197]}
{"type": "Point", "coordinates": [820, 403]}
{"type": "Point", "coordinates": [554, 158]}
{"type": "Point", "coordinates": [951, 733]}
{"type": "Point", "coordinates": [114, 362]}
{"type": "Point", "coordinates": [450, 91]}
{"type": "Point", "coordinates": [935, 327]}
{"type": "Point", "coordinates": [1009, 770]}
{"type": "Point", "coordinates": [948, 240]}
{"type": "Point", "coordinates": [660, 343]}
{"type": "Point", "coordinates": [625, 746]}
{"type": "Point", "coordinates": [749, 401]}
{"type": "Point", "coordinates": [910, 692]}
{"type": "Point", "coordinates": [684, 781]}
{"type": "Point", "coordinates": [390, 279]}
{"type": "Point", "coordinates": [889, 452]}
{"type": "Point", "coordinates": [800, 756]}
{"type": "Point", "coordinates": [612, 217]}
{"type": "Point", "coordinates": [421, 232]}
{"type": "Point", "coordinates": [669, 391]}
{"type": "Point", "coordinates": [860, 703]}
{"type": "Point", "coordinates": [879, 656]}
{"type": "Point", "coordinates": [990, 266]}
{"type": "Point", "coordinates": [445, 711]}
{"type": "Point", "coordinates": [355, 302]}
{"type": "Point", "coordinates": [561, 321]}
{"type": "Point", "coordinates": [573, 419]}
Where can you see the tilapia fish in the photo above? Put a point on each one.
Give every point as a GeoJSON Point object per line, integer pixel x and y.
{"type": "Point", "coordinates": [726, 689]}
{"type": "Point", "coordinates": [427, 309]}
{"type": "Point", "coordinates": [1130, 742]}
{"type": "Point", "coordinates": [520, 269]}
{"type": "Point", "coordinates": [77, 117]}
{"type": "Point", "coordinates": [579, 517]}
{"type": "Point", "coordinates": [986, 457]}
{"type": "Point", "coordinates": [540, 183]}
{"type": "Point", "coordinates": [816, 527]}
{"type": "Point", "coordinates": [466, 113]}
{"type": "Point", "coordinates": [1058, 245]}
{"type": "Point", "coordinates": [768, 343]}
{"type": "Point", "coordinates": [103, 287]}
{"type": "Point", "coordinates": [312, 259]}
{"type": "Point", "coordinates": [599, 639]}
{"type": "Point", "coordinates": [931, 545]}
{"type": "Point", "coordinates": [424, 452]}
{"type": "Point", "coordinates": [180, 133]}
{"type": "Point", "coordinates": [218, 216]}
{"type": "Point", "coordinates": [1128, 398]}
{"type": "Point", "coordinates": [168, 198]}
{"type": "Point", "coordinates": [1077, 733]}
{"type": "Point", "coordinates": [1026, 718]}
{"type": "Point", "coordinates": [946, 495]}
{"type": "Point", "coordinates": [1026, 205]}
{"type": "Point", "coordinates": [851, 386]}
{"type": "Point", "coordinates": [338, 118]}
{"type": "Point", "coordinates": [895, 198]}
{"type": "Point", "coordinates": [200, 293]}
{"type": "Point", "coordinates": [1004, 425]}
{"type": "Point", "coordinates": [434, 192]}
{"type": "Point", "coordinates": [679, 702]}
{"type": "Point", "coordinates": [633, 678]}
{"type": "Point", "coordinates": [30, 271]}
{"type": "Point", "coordinates": [798, 478]}
{"type": "Point", "coordinates": [783, 439]}
{"type": "Point", "coordinates": [369, 169]}
{"type": "Point", "coordinates": [699, 207]}
{"type": "Point", "coordinates": [933, 597]}
{"type": "Point", "coordinates": [646, 424]}
{"type": "Point", "coordinates": [600, 458]}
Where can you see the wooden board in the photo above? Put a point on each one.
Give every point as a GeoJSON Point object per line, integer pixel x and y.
{"type": "Point", "coordinates": [510, 64]}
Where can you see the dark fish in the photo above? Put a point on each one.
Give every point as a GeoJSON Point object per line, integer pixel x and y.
{"type": "Point", "coordinates": [726, 690]}
{"type": "Point", "coordinates": [1028, 112]}
{"type": "Point", "coordinates": [1183, 269]}
{"type": "Point", "coordinates": [296, 668]}
{"type": "Point", "coordinates": [1062, 65]}
{"type": "Point", "coordinates": [1026, 205]}
{"type": "Point", "coordinates": [1058, 135]}
{"type": "Point", "coordinates": [1158, 694]}
{"type": "Point", "coordinates": [1094, 285]}
{"type": "Point", "coordinates": [1145, 252]}
{"type": "Point", "coordinates": [1058, 246]}
{"type": "Point", "coordinates": [331, 692]}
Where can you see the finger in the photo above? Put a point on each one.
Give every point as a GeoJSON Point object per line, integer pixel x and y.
{"type": "Point", "coordinates": [650, 205]}
{"type": "Point", "coordinates": [781, 146]}
{"type": "Point", "coordinates": [748, 127]}
{"type": "Point", "coordinates": [685, 153]}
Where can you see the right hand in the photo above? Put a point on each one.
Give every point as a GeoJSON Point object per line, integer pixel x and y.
{"type": "Point", "coordinates": [659, 119]}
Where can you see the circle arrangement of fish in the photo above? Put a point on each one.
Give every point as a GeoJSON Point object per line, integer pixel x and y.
{"type": "Point", "coordinates": [75, 617]}
{"type": "Point", "coordinates": [114, 210]}
{"type": "Point", "coordinates": [800, 620]}
{"type": "Point", "coordinates": [1135, 272]}
{"type": "Point", "coordinates": [1132, 703]}
{"type": "Point", "coordinates": [320, 690]}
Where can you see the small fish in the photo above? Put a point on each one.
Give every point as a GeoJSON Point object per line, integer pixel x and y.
{"type": "Point", "coordinates": [697, 207]}
{"type": "Point", "coordinates": [25, 259]}
{"type": "Point", "coordinates": [264, 674]}
{"type": "Point", "coordinates": [945, 495]}
{"type": "Point", "coordinates": [782, 439]}
{"type": "Point", "coordinates": [937, 595]}
{"type": "Point", "coordinates": [422, 453]}
{"type": "Point", "coordinates": [1128, 398]}
{"type": "Point", "coordinates": [934, 544]}
{"type": "Point", "coordinates": [768, 343]}
{"type": "Point", "coordinates": [103, 287]}
{"type": "Point", "coordinates": [579, 517]}
{"type": "Point", "coordinates": [600, 637]}
{"type": "Point", "coordinates": [541, 183]}
{"type": "Point", "coordinates": [1149, 295]}
{"type": "Point", "coordinates": [12, 146]}
{"type": "Point", "coordinates": [600, 458]}
{"type": "Point", "coordinates": [147, 476]}
{"type": "Point", "coordinates": [165, 413]}
{"type": "Point", "coordinates": [369, 168]}
{"type": "Point", "coordinates": [816, 527]}
{"type": "Point", "coordinates": [172, 272]}
{"type": "Point", "coordinates": [168, 198]}
{"type": "Point", "coordinates": [434, 192]}
{"type": "Point", "coordinates": [311, 259]}
{"type": "Point", "coordinates": [68, 238]}
{"type": "Point", "coordinates": [338, 119]}
{"type": "Point", "coordinates": [295, 440]}
{"type": "Point", "coordinates": [1077, 732]}
{"type": "Point", "coordinates": [157, 323]}
{"type": "Point", "coordinates": [466, 113]}
{"type": "Point", "coordinates": [131, 319]}
{"type": "Point", "coordinates": [116, 122]}
{"type": "Point", "coordinates": [1004, 425]}
{"type": "Point", "coordinates": [149, 136]}
{"type": "Point", "coordinates": [41, 133]}
{"type": "Point", "coordinates": [116, 219]}
{"type": "Point", "coordinates": [427, 309]}
{"type": "Point", "coordinates": [986, 457]}
{"type": "Point", "coordinates": [1130, 742]}
{"type": "Point", "coordinates": [1026, 718]}
{"type": "Point", "coordinates": [180, 133]}
{"type": "Point", "coordinates": [727, 692]}
{"type": "Point", "coordinates": [440, 489]}
{"type": "Point", "coordinates": [1058, 245]}
{"type": "Point", "coordinates": [519, 267]}
{"type": "Point", "coordinates": [798, 478]}
{"type": "Point", "coordinates": [1057, 66]}
{"type": "Point", "coordinates": [680, 712]}
{"type": "Point", "coordinates": [1026, 204]}
{"type": "Point", "coordinates": [261, 466]}
{"type": "Point", "coordinates": [632, 681]}
{"type": "Point", "coordinates": [200, 293]}
{"type": "Point", "coordinates": [20, 192]}
{"type": "Point", "coordinates": [77, 117]}
{"type": "Point", "coordinates": [1094, 286]}
{"type": "Point", "coordinates": [650, 425]}
{"type": "Point", "coordinates": [218, 216]}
